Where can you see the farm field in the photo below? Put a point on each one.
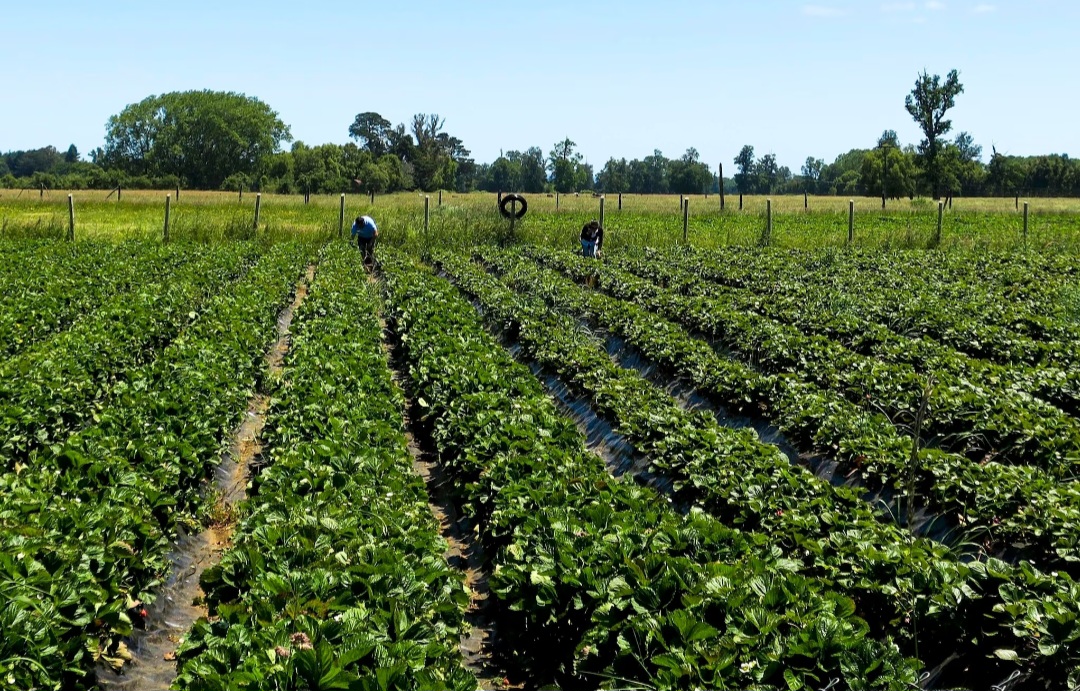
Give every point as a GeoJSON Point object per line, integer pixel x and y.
{"type": "Point", "coordinates": [239, 461]}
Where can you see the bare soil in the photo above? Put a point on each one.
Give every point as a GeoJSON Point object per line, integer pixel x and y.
{"type": "Point", "coordinates": [180, 600]}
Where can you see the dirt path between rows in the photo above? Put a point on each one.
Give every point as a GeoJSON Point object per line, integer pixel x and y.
{"type": "Point", "coordinates": [153, 667]}
{"type": "Point", "coordinates": [463, 552]}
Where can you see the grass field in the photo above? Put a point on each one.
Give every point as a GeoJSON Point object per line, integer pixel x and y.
{"type": "Point", "coordinates": [470, 219]}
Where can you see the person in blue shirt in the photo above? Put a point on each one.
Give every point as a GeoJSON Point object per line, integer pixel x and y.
{"type": "Point", "coordinates": [365, 231]}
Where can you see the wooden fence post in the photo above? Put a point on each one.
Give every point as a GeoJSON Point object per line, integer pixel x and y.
{"type": "Point", "coordinates": [556, 201]}
{"type": "Point", "coordinates": [601, 211]}
{"type": "Point", "coordinates": [620, 201]}
{"type": "Point", "coordinates": [851, 221]}
{"type": "Point", "coordinates": [805, 201]}
{"type": "Point", "coordinates": [165, 235]}
{"type": "Point", "coordinates": [341, 216]}
{"type": "Point", "coordinates": [682, 202]}
{"type": "Point", "coordinates": [940, 211]}
{"type": "Point", "coordinates": [241, 199]}
{"type": "Point", "coordinates": [1025, 221]}
{"type": "Point", "coordinates": [258, 205]}
{"type": "Point", "coordinates": [440, 197]}
{"type": "Point", "coordinates": [118, 191]}
{"type": "Point", "coordinates": [768, 222]}
{"type": "Point", "coordinates": [685, 220]}
{"type": "Point", "coordinates": [178, 193]}
{"type": "Point", "coordinates": [740, 201]}
{"type": "Point", "coordinates": [721, 186]}
{"type": "Point", "coordinates": [372, 200]}
{"type": "Point", "coordinates": [71, 219]}
{"type": "Point", "coordinates": [427, 213]}
{"type": "Point", "coordinates": [1017, 202]}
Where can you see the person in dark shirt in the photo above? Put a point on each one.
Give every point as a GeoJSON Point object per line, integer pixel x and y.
{"type": "Point", "coordinates": [592, 238]}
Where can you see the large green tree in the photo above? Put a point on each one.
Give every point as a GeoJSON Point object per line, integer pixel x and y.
{"type": "Point", "coordinates": [888, 170]}
{"type": "Point", "coordinates": [928, 103]}
{"type": "Point", "coordinates": [744, 179]}
{"type": "Point", "coordinates": [203, 137]}
{"type": "Point", "coordinates": [614, 177]}
{"type": "Point", "coordinates": [811, 173]}
{"type": "Point", "coordinates": [688, 175]}
{"type": "Point", "coordinates": [533, 176]}
{"type": "Point", "coordinates": [564, 162]}
{"type": "Point", "coordinates": [373, 131]}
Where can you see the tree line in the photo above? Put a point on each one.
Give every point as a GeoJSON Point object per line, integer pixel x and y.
{"type": "Point", "coordinates": [224, 140]}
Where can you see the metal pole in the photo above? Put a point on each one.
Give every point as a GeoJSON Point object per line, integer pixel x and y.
{"type": "Point", "coordinates": [620, 201]}
{"type": "Point", "coordinates": [71, 219]}
{"type": "Point", "coordinates": [1025, 221]}
{"type": "Point", "coordinates": [166, 233]}
{"type": "Point", "coordinates": [940, 211]}
{"type": "Point", "coordinates": [601, 211]}
{"type": "Point", "coordinates": [427, 215]}
{"type": "Point", "coordinates": [556, 201]}
{"type": "Point", "coordinates": [258, 205]}
{"type": "Point", "coordinates": [341, 216]}
{"type": "Point", "coordinates": [513, 214]}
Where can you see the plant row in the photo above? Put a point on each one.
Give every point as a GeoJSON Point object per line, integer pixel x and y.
{"type": "Point", "coordinates": [814, 308]}
{"type": "Point", "coordinates": [1008, 509]}
{"type": "Point", "coordinates": [336, 576]}
{"type": "Point", "coordinates": [1020, 290]}
{"type": "Point", "coordinates": [65, 290]}
{"type": "Point", "coordinates": [1011, 308]}
{"type": "Point", "coordinates": [61, 385]}
{"type": "Point", "coordinates": [904, 586]}
{"type": "Point", "coordinates": [598, 581]}
{"type": "Point", "coordinates": [963, 415]}
{"type": "Point", "coordinates": [85, 533]}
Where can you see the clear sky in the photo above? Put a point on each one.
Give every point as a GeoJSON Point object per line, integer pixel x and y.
{"type": "Point", "coordinates": [619, 78]}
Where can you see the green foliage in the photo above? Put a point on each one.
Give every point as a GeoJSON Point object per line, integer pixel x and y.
{"type": "Point", "coordinates": [745, 162]}
{"type": "Point", "coordinates": [202, 137]}
{"type": "Point", "coordinates": [568, 172]}
{"type": "Point", "coordinates": [88, 521]}
{"type": "Point", "coordinates": [336, 577]}
{"type": "Point", "coordinates": [927, 104]}
{"type": "Point", "coordinates": [892, 577]}
{"type": "Point", "coordinates": [598, 581]}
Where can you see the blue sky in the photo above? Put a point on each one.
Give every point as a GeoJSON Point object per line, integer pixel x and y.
{"type": "Point", "coordinates": [619, 78]}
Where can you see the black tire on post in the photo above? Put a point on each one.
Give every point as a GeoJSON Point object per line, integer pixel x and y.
{"type": "Point", "coordinates": [504, 206]}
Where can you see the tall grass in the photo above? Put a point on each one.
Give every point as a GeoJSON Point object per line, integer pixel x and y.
{"type": "Point", "coordinates": [472, 219]}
